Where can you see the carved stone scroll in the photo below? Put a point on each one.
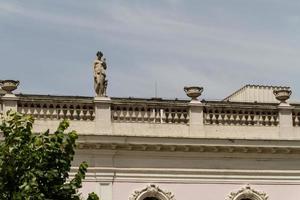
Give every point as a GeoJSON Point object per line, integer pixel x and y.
{"type": "Point", "coordinates": [151, 191]}
{"type": "Point", "coordinates": [247, 193]}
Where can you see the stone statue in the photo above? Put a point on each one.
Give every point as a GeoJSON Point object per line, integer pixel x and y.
{"type": "Point", "coordinates": [100, 82]}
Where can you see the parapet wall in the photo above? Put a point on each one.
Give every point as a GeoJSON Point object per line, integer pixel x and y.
{"type": "Point", "coordinates": [160, 118]}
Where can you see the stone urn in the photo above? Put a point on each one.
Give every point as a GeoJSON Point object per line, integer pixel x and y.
{"type": "Point", "coordinates": [9, 85]}
{"type": "Point", "coordinates": [194, 91]}
{"type": "Point", "coordinates": [282, 95]}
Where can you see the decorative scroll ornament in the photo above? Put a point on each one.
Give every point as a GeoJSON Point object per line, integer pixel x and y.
{"type": "Point", "coordinates": [151, 191]}
{"type": "Point", "coordinates": [247, 193]}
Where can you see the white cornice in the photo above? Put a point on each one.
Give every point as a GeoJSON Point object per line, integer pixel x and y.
{"type": "Point", "coordinates": [192, 176]}
{"type": "Point", "coordinates": [245, 149]}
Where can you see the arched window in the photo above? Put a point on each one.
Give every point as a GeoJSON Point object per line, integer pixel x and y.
{"type": "Point", "coordinates": [247, 193]}
{"type": "Point", "coordinates": [151, 192]}
{"type": "Point", "coordinates": [151, 198]}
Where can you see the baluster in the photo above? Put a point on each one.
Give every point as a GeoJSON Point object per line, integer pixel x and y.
{"type": "Point", "coordinates": [44, 112]}
{"type": "Point", "coordinates": [152, 115]}
{"type": "Point", "coordinates": [72, 112]}
{"type": "Point", "coordinates": [76, 112]}
{"type": "Point", "coordinates": [229, 117]}
{"type": "Point", "coordinates": [55, 112]}
{"type": "Point", "coordinates": [143, 114]}
{"type": "Point", "coordinates": [297, 119]}
{"type": "Point", "coordinates": [154, 112]}
{"type": "Point", "coordinates": [161, 113]}
{"type": "Point", "coordinates": [234, 117]}
{"type": "Point", "coordinates": [50, 112]}
{"type": "Point", "coordinates": [135, 114]}
{"type": "Point", "coordinates": [67, 112]}
{"type": "Point", "coordinates": [138, 114]}
{"type": "Point", "coordinates": [22, 109]}
{"type": "Point", "coordinates": [264, 119]}
{"type": "Point", "coordinates": [205, 116]}
{"type": "Point", "coordinates": [130, 112]}
{"type": "Point", "coordinates": [167, 115]}
{"type": "Point", "coordinates": [246, 118]}
{"type": "Point", "coordinates": [240, 118]}
{"type": "Point", "coordinates": [170, 115]}
{"type": "Point", "coordinates": [276, 117]}
{"type": "Point", "coordinates": [257, 118]}
{"type": "Point", "coordinates": [178, 116]}
{"type": "Point", "coordinates": [148, 114]}
{"type": "Point", "coordinates": [252, 118]}
{"type": "Point", "coordinates": [91, 113]}
{"type": "Point", "coordinates": [213, 119]}
{"type": "Point", "coordinates": [60, 112]}
{"type": "Point", "coordinates": [222, 117]}
{"type": "Point", "coordinates": [117, 113]}
{"type": "Point", "coordinates": [124, 114]}
{"type": "Point", "coordinates": [31, 109]}
{"type": "Point", "coordinates": [272, 121]}
{"type": "Point", "coordinates": [81, 113]}
{"type": "Point", "coordinates": [210, 116]}
{"type": "Point", "coordinates": [37, 110]}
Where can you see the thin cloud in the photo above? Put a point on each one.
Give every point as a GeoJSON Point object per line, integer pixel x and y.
{"type": "Point", "coordinates": [187, 50]}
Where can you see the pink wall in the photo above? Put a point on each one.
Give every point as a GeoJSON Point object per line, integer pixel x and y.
{"type": "Point", "coordinates": [121, 191]}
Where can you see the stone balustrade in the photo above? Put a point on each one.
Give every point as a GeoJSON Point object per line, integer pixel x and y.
{"type": "Point", "coordinates": [158, 117]}
{"type": "Point", "coordinates": [239, 116]}
{"type": "Point", "coordinates": [140, 112]}
{"type": "Point", "coordinates": [57, 109]}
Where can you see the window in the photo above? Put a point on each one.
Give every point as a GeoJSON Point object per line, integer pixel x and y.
{"type": "Point", "coordinates": [247, 193]}
{"type": "Point", "coordinates": [151, 198]}
{"type": "Point", "coordinates": [151, 192]}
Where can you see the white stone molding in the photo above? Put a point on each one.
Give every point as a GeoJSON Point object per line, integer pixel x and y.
{"type": "Point", "coordinates": [151, 191]}
{"type": "Point", "coordinates": [247, 193]}
{"type": "Point", "coordinates": [190, 148]}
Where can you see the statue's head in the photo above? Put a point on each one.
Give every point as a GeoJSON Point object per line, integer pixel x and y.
{"type": "Point", "coordinates": [99, 54]}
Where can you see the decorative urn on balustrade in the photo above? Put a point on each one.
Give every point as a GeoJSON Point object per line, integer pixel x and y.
{"type": "Point", "coordinates": [9, 85]}
{"type": "Point", "coordinates": [194, 91]}
{"type": "Point", "coordinates": [282, 94]}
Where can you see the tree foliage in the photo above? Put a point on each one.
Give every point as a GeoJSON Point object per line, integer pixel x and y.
{"type": "Point", "coordinates": [36, 166]}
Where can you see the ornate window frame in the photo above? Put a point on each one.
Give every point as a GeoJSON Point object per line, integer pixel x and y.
{"type": "Point", "coordinates": [247, 192]}
{"type": "Point", "coordinates": [152, 190]}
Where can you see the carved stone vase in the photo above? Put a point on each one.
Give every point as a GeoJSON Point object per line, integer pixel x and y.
{"type": "Point", "coordinates": [9, 85]}
{"type": "Point", "coordinates": [193, 92]}
{"type": "Point", "coordinates": [282, 95]}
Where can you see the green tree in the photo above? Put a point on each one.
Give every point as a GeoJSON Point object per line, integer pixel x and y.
{"type": "Point", "coordinates": [36, 166]}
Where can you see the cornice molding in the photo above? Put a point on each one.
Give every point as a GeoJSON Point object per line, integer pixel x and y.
{"type": "Point", "coordinates": [191, 148]}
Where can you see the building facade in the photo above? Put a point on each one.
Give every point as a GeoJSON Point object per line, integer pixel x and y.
{"type": "Point", "coordinates": [156, 149]}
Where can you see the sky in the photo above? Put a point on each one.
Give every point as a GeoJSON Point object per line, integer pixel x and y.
{"type": "Point", "coordinates": [153, 48]}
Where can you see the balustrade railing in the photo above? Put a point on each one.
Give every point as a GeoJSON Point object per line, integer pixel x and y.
{"type": "Point", "coordinates": [150, 114]}
{"type": "Point", "coordinates": [152, 111]}
{"type": "Point", "coordinates": [46, 110]}
{"type": "Point", "coordinates": [240, 116]}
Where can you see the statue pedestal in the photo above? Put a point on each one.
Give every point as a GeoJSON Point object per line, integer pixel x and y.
{"type": "Point", "coordinates": [102, 115]}
{"type": "Point", "coordinates": [10, 102]}
{"type": "Point", "coordinates": [196, 119]}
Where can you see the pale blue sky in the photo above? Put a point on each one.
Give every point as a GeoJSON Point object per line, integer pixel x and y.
{"type": "Point", "coordinates": [221, 45]}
